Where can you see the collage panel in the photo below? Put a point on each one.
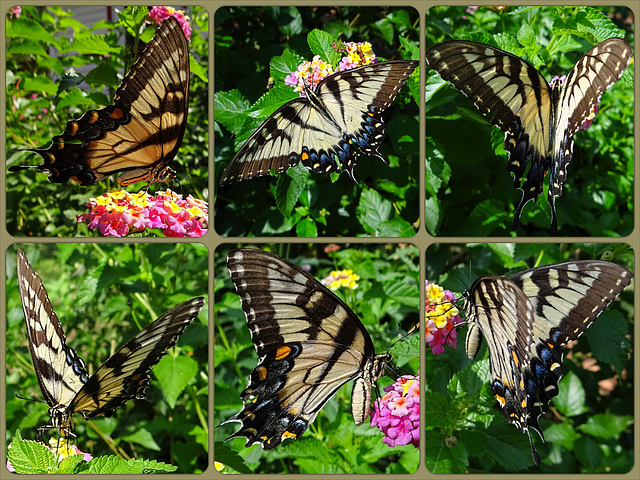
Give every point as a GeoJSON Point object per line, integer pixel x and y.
{"type": "Point", "coordinates": [107, 121]}
{"type": "Point", "coordinates": [318, 317]}
{"type": "Point", "coordinates": [548, 347]}
{"type": "Point", "coordinates": [514, 94]}
{"type": "Point", "coordinates": [317, 121]}
{"type": "Point", "coordinates": [114, 333]}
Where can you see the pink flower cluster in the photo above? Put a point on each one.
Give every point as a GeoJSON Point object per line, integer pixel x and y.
{"type": "Point", "coordinates": [309, 74]}
{"type": "Point", "coordinates": [159, 14]}
{"type": "Point", "coordinates": [118, 213]}
{"type": "Point", "coordinates": [442, 318]}
{"type": "Point", "coordinates": [397, 413]}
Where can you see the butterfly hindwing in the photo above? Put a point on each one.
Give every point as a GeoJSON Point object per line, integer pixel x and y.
{"type": "Point", "coordinates": [327, 130]}
{"type": "Point", "coordinates": [137, 136]}
{"type": "Point", "coordinates": [61, 374]}
{"type": "Point", "coordinates": [526, 319]}
{"type": "Point", "coordinates": [539, 121]}
{"type": "Point", "coordinates": [309, 344]}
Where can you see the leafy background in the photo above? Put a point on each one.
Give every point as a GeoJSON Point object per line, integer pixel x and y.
{"type": "Point", "coordinates": [387, 301]}
{"type": "Point", "coordinates": [104, 294]}
{"type": "Point", "coordinates": [42, 44]}
{"type": "Point", "coordinates": [589, 428]}
{"type": "Point", "coordinates": [466, 162]}
{"type": "Point", "coordinates": [252, 47]}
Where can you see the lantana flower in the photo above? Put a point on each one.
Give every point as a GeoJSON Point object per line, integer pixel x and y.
{"type": "Point", "coordinates": [397, 413]}
{"type": "Point", "coordinates": [341, 278]}
{"type": "Point", "coordinates": [118, 213]}
{"type": "Point", "coordinates": [159, 14]}
{"type": "Point", "coordinates": [309, 74]}
{"type": "Point", "coordinates": [442, 318]}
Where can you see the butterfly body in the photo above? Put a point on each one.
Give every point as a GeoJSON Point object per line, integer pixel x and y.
{"type": "Point", "coordinates": [309, 344]}
{"type": "Point", "coordinates": [65, 384]}
{"type": "Point", "coordinates": [539, 120]}
{"type": "Point", "coordinates": [328, 129]}
{"type": "Point", "coordinates": [526, 319]}
{"type": "Point", "coordinates": [137, 136]}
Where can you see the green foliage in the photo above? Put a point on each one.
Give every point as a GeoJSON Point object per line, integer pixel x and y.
{"type": "Point", "coordinates": [466, 431]}
{"type": "Point", "coordinates": [87, 67]}
{"type": "Point", "coordinates": [466, 162]}
{"type": "Point", "coordinates": [257, 49]}
{"type": "Point", "coordinates": [386, 300]}
{"type": "Point", "coordinates": [103, 295]}
{"type": "Point", "coordinates": [30, 457]}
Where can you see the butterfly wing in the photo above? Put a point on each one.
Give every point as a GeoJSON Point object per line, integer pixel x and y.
{"type": "Point", "coordinates": [539, 122]}
{"type": "Point", "coordinates": [141, 132]}
{"type": "Point", "coordinates": [126, 374]}
{"type": "Point", "coordinates": [527, 318]}
{"type": "Point", "coordinates": [309, 344]}
{"type": "Point", "coordinates": [341, 119]}
{"type": "Point", "coordinates": [60, 372]}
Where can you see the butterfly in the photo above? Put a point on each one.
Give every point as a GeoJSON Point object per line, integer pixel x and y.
{"type": "Point", "coordinates": [309, 343]}
{"type": "Point", "coordinates": [334, 123]}
{"type": "Point", "coordinates": [539, 120]}
{"type": "Point", "coordinates": [526, 318]}
{"type": "Point", "coordinates": [61, 373]}
{"type": "Point", "coordinates": [137, 136]}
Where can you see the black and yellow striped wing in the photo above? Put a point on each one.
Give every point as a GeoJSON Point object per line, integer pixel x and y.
{"type": "Point", "coordinates": [539, 121]}
{"type": "Point", "coordinates": [309, 344]}
{"type": "Point", "coordinates": [526, 319]}
{"type": "Point", "coordinates": [137, 136]}
{"type": "Point", "coordinates": [61, 374]}
{"type": "Point", "coordinates": [327, 129]}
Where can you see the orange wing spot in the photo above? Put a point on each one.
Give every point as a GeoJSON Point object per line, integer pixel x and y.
{"type": "Point", "coordinates": [117, 114]}
{"type": "Point", "coordinates": [549, 345]}
{"type": "Point", "coordinates": [282, 353]}
{"type": "Point", "coordinates": [94, 117]}
{"type": "Point", "coordinates": [521, 384]}
{"type": "Point", "coordinates": [288, 434]}
{"type": "Point", "coordinates": [305, 156]}
{"type": "Point", "coordinates": [524, 403]}
{"type": "Point", "coordinates": [554, 366]}
{"type": "Point", "coordinates": [262, 373]}
{"type": "Point", "coordinates": [266, 439]}
{"type": "Point", "coordinates": [500, 400]}
{"type": "Point", "coordinates": [515, 359]}
{"type": "Point", "coordinates": [74, 129]}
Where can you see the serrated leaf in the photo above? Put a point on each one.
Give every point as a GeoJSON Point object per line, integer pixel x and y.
{"type": "Point", "coordinates": [174, 374]}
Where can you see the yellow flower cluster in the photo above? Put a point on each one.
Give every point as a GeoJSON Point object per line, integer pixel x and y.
{"type": "Point", "coordinates": [342, 278]}
{"type": "Point", "coordinates": [439, 308]}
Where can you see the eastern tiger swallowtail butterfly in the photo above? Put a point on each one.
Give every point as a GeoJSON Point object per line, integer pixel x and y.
{"type": "Point", "coordinates": [140, 133]}
{"type": "Point", "coordinates": [539, 121]}
{"type": "Point", "coordinates": [336, 122]}
{"type": "Point", "coordinates": [63, 379]}
{"type": "Point", "coordinates": [526, 318]}
{"type": "Point", "coordinates": [309, 344]}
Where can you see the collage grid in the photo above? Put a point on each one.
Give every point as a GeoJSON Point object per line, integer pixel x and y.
{"type": "Point", "coordinates": [391, 244]}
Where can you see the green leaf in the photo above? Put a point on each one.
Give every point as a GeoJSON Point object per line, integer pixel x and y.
{"type": "Point", "coordinates": [174, 374]}
{"type": "Point", "coordinates": [30, 457]}
{"type": "Point", "coordinates": [571, 395]}
{"type": "Point", "coordinates": [142, 437]}
{"type": "Point", "coordinates": [113, 465]}
{"type": "Point", "coordinates": [373, 210]}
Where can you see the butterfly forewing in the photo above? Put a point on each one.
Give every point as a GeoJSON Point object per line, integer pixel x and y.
{"type": "Point", "coordinates": [60, 372]}
{"type": "Point", "coordinates": [327, 130]}
{"type": "Point", "coordinates": [126, 374]}
{"type": "Point", "coordinates": [141, 132]}
{"type": "Point", "coordinates": [539, 121]}
{"type": "Point", "coordinates": [309, 344]}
